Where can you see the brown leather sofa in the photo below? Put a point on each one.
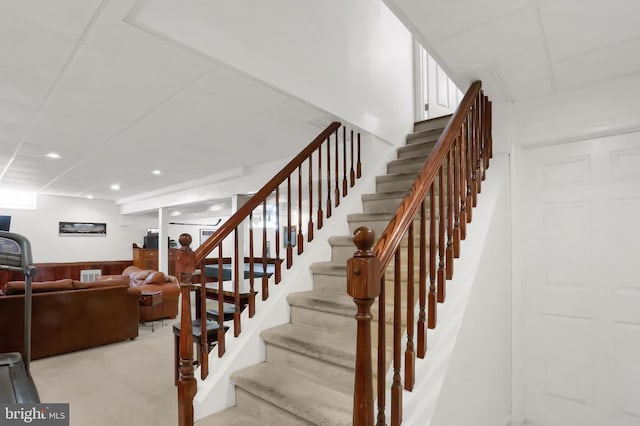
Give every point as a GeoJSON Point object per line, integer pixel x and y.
{"type": "Point", "coordinates": [146, 280]}
{"type": "Point", "coordinates": [69, 315]}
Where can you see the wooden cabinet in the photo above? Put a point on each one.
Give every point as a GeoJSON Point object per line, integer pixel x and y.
{"type": "Point", "coordinates": [148, 259]}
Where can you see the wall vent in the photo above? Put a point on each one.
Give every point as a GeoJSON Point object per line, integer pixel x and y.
{"type": "Point", "coordinates": [90, 275]}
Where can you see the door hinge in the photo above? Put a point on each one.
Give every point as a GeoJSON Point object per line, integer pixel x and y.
{"type": "Point", "coordinates": [426, 106]}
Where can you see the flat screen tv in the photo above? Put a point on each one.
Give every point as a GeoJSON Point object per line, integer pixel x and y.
{"type": "Point", "coordinates": [5, 223]}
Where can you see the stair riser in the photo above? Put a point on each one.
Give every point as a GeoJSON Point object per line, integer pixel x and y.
{"type": "Point", "coordinates": [323, 320]}
{"type": "Point", "coordinates": [388, 205]}
{"type": "Point", "coordinates": [266, 412]}
{"type": "Point", "coordinates": [436, 123]}
{"type": "Point", "coordinates": [338, 377]}
{"type": "Point", "coordinates": [405, 167]}
{"type": "Point", "coordinates": [329, 282]}
{"type": "Point", "coordinates": [340, 254]}
{"type": "Point", "coordinates": [418, 150]}
{"type": "Point", "coordinates": [395, 185]}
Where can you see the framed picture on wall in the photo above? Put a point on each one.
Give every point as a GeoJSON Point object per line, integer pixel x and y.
{"type": "Point", "coordinates": [205, 233]}
{"type": "Point", "coordinates": [82, 228]}
{"type": "Point", "coordinates": [289, 236]}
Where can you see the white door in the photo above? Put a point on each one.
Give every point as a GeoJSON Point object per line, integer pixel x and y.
{"type": "Point", "coordinates": [442, 94]}
{"type": "Point", "coordinates": [436, 93]}
{"type": "Point", "coordinates": [581, 286]}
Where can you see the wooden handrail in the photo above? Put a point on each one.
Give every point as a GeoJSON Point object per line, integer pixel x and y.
{"type": "Point", "coordinates": [243, 212]}
{"type": "Point", "coordinates": [451, 179]}
{"type": "Point", "coordinates": [390, 238]}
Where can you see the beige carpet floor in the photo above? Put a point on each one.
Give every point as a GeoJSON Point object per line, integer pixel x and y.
{"type": "Point", "coordinates": [128, 383]}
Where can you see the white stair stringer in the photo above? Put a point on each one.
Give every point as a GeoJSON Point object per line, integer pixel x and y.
{"type": "Point", "coordinates": [420, 404]}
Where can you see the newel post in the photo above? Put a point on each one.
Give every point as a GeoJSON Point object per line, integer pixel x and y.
{"type": "Point", "coordinates": [363, 284]}
{"type": "Point", "coordinates": [185, 266]}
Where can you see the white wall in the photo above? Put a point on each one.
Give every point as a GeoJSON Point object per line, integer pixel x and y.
{"type": "Point", "coordinates": [603, 109]}
{"type": "Point", "coordinates": [352, 59]}
{"type": "Point", "coordinates": [40, 226]}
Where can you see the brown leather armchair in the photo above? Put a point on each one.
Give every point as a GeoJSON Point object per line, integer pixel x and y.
{"type": "Point", "coordinates": [146, 280]}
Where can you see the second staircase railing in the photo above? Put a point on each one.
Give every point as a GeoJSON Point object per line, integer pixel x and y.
{"type": "Point", "coordinates": [298, 198]}
{"type": "Point", "coordinates": [428, 226]}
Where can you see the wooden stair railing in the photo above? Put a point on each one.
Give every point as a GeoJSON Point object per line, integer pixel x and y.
{"type": "Point", "coordinates": [336, 150]}
{"type": "Point", "coordinates": [441, 198]}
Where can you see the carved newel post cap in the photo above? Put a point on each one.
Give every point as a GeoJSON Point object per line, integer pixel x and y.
{"type": "Point", "coordinates": [363, 238]}
{"type": "Point", "coordinates": [185, 240]}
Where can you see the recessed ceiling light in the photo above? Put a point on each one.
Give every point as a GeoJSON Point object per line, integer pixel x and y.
{"type": "Point", "coordinates": [53, 155]}
{"type": "Point", "coordinates": [115, 187]}
{"type": "Point", "coordinates": [90, 196]}
{"type": "Point", "coordinates": [156, 172]}
{"type": "Point", "coordinates": [215, 208]}
{"type": "Point", "coordinates": [176, 213]}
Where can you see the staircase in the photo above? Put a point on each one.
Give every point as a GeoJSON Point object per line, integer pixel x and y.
{"type": "Point", "coordinates": [309, 370]}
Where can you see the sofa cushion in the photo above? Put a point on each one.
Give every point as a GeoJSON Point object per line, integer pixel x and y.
{"type": "Point", "coordinates": [17, 287]}
{"type": "Point", "coordinates": [104, 281]}
{"type": "Point", "coordinates": [155, 278]}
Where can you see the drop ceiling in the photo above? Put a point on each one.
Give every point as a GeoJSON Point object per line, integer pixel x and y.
{"type": "Point", "coordinates": [116, 103]}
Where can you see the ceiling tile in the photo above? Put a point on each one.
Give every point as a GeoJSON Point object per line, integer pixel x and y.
{"type": "Point", "coordinates": [574, 27]}
{"type": "Point", "coordinates": [442, 19]}
{"type": "Point", "coordinates": [603, 64]}
{"type": "Point", "coordinates": [30, 59]}
{"type": "Point", "coordinates": [488, 44]}
{"type": "Point", "coordinates": [68, 17]}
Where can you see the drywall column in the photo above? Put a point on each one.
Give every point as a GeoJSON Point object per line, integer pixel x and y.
{"type": "Point", "coordinates": [163, 238]}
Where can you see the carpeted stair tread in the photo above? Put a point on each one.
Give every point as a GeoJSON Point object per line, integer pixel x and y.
{"type": "Point", "coordinates": [336, 348]}
{"type": "Point", "coordinates": [324, 301]}
{"type": "Point", "coordinates": [233, 416]}
{"type": "Point", "coordinates": [296, 394]}
{"type": "Point", "coordinates": [384, 195]}
{"type": "Point", "coordinates": [390, 177]}
{"type": "Point", "coordinates": [329, 268]}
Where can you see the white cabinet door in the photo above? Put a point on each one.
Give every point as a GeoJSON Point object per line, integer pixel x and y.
{"type": "Point", "coordinates": [581, 282]}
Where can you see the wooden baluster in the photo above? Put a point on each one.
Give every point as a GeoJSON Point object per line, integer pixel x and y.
{"type": "Point", "coordinates": [422, 331]}
{"type": "Point", "coordinates": [300, 235]}
{"type": "Point", "coordinates": [265, 279]}
{"type": "Point", "coordinates": [278, 273]}
{"type": "Point", "coordinates": [490, 128]}
{"type": "Point", "coordinates": [345, 184]}
{"type": "Point", "coordinates": [236, 285]}
{"type": "Point", "coordinates": [337, 190]}
{"type": "Point", "coordinates": [441, 237]}
{"type": "Point", "coordinates": [221, 342]}
{"type": "Point", "coordinates": [409, 354]}
{"type": "Point", "coordinates": [456, 197]}
{"type": "Point", "coordinates": [433, 306]}
{"type": "Point", "coordinates": [352, 173]}
{"type": "Point", "coordinates": [449, 254]}
{"type": "Point", "coordinates": [487, 138]}
{"type": "Point", "coordinates": [396, 385]}
{"type": "Point", "coordinates": [251, 257]}
{"type": "Point", "coordinates": [469, 171]}
{"type": "Point", "coordinates": [310, 224]}
{"type": "Point", "coordinates": [201, 313]}
{"type": "Point", "coordinates": [329, 205]}
{"type": "Point", "coordinates": [363, 285]}
{"type": "Point", "coordinates": [359, 165]}
{"type": "Point", "coordinates": [382, 355]}
{"type": "Point", "coordinates": [481, 142]}
{"type": "Point", "coordinates": [320, 212]}
{"type": "Point", "coordinates": [474, 157]}
{"type": "Point", "coordinates": [187, 385]}
{"type": "Point", "coordinates": [287, 237]}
